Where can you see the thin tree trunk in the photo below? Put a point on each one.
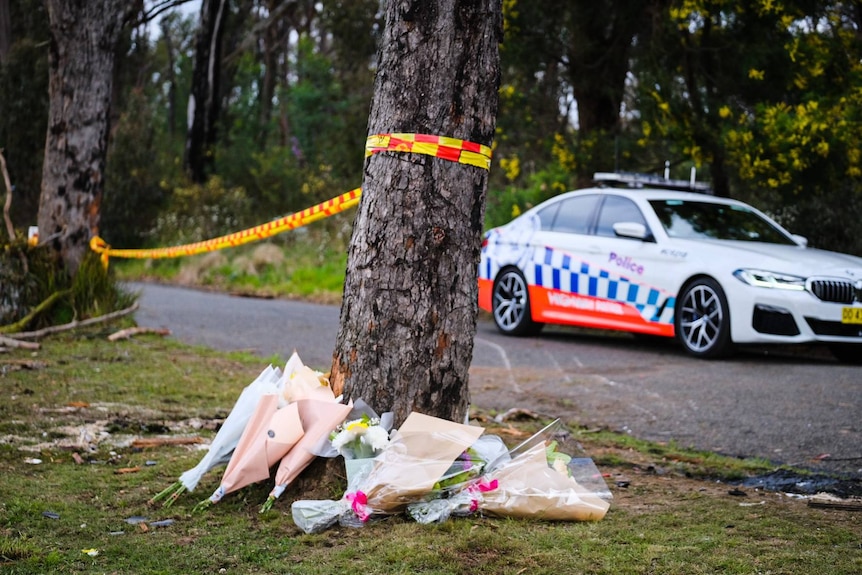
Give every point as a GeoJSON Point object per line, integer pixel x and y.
{"type": "Point", "coordinates": [598, 54]}
{"type": "Point", "coordinates": [84, 35]}
{"type": "Point", "coordinates": [172, 77]}
{"type": "Point", "coordinates": [204, 102]}
{"type": "Point", "coordinates": [5, 31]}
{"type": "Point", "coordinates": [408, 316]}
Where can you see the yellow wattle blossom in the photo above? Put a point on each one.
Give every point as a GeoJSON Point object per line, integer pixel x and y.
{"type": "Point", "coordinates": [511, 167]}
{"type": "Point", "coordinates": [516, 211]}
{"type": "Point", "coordinates": [755, 74]}
{"type": "Point", "coordinates": [565, 157]}
{"type": "Point", "coordinates": [724, 112]}
{"type": "Point", "coordinates": [510, 12]}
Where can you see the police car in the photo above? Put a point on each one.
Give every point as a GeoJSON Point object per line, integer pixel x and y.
{"type": "Point", "coordinates": [646, 255]}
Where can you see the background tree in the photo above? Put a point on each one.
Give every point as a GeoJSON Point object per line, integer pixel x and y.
{"type": "Point", "coordinates": [83, 39]}
{"type": "Point", "coordinates": [5, 31]}
{"type": "Point", "coordinates": [409, 313]}
{"type": "Point", "coordinates": [24, 106]}
{"type": "Point", "coordinates": [204, 100]}
{"type": "Point", "coordinates": [763, 97]}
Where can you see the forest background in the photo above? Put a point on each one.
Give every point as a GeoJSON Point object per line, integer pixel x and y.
{"type": "Point", "coordinates": [762, 99]}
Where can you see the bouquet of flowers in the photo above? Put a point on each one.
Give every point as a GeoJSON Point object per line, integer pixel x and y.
{"type": "Point", "coordinates": [360, 438]}
{"type": "Point", "coordinates": [419, 456]}
{"type": "Point", "coordinates": [528, 487]}
{"type": "Point", "coordinates": [536, 481]}
{"type": "Point", "coordinates": [455, 492]}
{"type": "Point", "coordinates": [228, 436]}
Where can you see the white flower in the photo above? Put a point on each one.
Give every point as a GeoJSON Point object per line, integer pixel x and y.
{"type": "Point", "coordinates": [376, 437]}
{"type": "Point", "coordinates": [360, 438]}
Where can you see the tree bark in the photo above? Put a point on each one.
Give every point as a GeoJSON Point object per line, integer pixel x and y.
{"type": "Point", "coordinates": [408, 316]}
{"type": "Point", "coordinates": [204, 102]}
{"type": "Point", "coordinates": [598, 54]}
{"type": "Point", "coordinates": [84, 34]}
{"type": "Point", "coordinates": [167, 35]}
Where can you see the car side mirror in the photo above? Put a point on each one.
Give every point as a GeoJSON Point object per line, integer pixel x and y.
{"type": "Point", "coordinates": [632, 230]}
{"type": "Point", "coordinates": [801, 240]}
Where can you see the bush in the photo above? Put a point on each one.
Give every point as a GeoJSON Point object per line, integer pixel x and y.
{"type": "Point", "coordinates": [30, 277]}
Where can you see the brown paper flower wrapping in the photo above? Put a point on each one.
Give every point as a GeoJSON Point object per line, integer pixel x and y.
{"type": "Point", "coordinates": [420, 453]}
{"type": "Point", "coordinates": [528, 488]}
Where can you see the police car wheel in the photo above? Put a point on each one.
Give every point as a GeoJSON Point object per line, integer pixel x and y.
{"type": "Point", "coordinates": [702, 319]}
{"type": "Point", "coordinates": [511, 304]}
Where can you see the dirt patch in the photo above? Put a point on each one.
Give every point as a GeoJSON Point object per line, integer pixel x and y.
{"type": "Point", "coordinates": [89, 428]}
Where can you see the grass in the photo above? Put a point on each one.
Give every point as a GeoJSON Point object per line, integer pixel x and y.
{"type": "Point", "coordinates": [307, 264]}
{"type": "Point", "coordinates": [81, 395]}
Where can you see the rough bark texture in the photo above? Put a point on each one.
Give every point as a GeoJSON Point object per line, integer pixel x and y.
{"type": "Point", "coordinates": [204, 101]}
{"type": "Point", "coordinates": [408, 319]}
{"type": "Point", "coordinates": [84, 34]}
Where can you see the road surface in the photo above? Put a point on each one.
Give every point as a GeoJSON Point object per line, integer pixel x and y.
{"type": "Point", "coordinates": [790, 405]}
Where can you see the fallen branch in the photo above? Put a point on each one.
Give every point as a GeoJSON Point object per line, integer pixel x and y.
{"type": "Point", "coordinates": [17, 364]}
{"type": "Point", "coordinates": [73, 324]}
{"type": "Point", "coordinates": [9, 342]}
{"type": "Point", "coordinates": [132, 331]}
{"type": "Point", "coordinates": [827, 501]}
{"type": "Point", "coordinates": [159, 441]}
{"type": "Point", "coordinates": [13, 329]}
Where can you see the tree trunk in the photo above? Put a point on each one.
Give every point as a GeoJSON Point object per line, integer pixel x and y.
{"type": "Point", "coordinates": [84, 34]}
{"type": "Point", "coordinates": [5, 31]}
{"type": "Point", "coordinates": [408, 316]}
{"type": "Point", "coordinates": [171, 75]}
{"type": "Point", "coordinates": [204, 101]}
{"type": "Point", "coordinates": [598, 54]}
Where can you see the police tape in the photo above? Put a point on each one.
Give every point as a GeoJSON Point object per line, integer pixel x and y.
{"type": "Point", "coordinates": [451, 149]}
{"type": "Point", "coordinates": [443, 147]}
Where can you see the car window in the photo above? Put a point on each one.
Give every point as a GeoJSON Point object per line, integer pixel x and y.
{"type": "Point", "coordinates": [572, 215]}
{"type": "Point", "coordinates": [708, 220]}
{"type": "Point", "coordinates": [617, 209]}
{"type": "Point", "coordinates": [548, 215]}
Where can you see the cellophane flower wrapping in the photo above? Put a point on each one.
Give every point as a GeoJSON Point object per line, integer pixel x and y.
{"type": "Point", "coordinates": [229, 434]}
{"type": "Point", "coordinates": [419, 455]}
{"type": "Point", "coordinates": [364, 434]}
{"type": "Point", "coordinates": [543, 480]}
{"type": "Point", "coordinates": [455, 493]}
{"type": "Point", "coordinates": [527, 487]}
{"type": "Point", "coordinates": [534, 480]}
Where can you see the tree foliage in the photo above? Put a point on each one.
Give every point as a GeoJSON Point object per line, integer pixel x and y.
{"type": "Point", "coordinates": [761, 98]}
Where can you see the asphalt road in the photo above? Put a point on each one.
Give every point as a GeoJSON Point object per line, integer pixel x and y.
{"type": "Point", "coordinates": [790, 405]}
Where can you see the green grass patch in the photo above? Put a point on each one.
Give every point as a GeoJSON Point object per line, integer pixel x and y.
{"type": "Point", "coordinates": [664, 519]}
{"type": "Point", "coordinates": [307, 263]}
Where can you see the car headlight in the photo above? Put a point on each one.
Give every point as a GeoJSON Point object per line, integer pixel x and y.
{"type": "Point", "coordinates": [766, 279]}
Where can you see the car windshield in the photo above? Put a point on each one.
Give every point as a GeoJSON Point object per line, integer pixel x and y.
{"type": "Point", "coordinates": [708, 220]}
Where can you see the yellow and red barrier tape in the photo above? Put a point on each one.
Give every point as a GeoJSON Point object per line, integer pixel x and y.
{"type": "Point", "coordinates": [443, 147]}
{"type": "Point", "coordinates": [451, 149]}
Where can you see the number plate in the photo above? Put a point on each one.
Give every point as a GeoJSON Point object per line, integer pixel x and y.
{"type": "Point", "coordinates": [851, 315]}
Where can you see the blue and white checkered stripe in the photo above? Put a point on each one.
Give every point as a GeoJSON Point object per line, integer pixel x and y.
{"type": "Point", "coordinates": [558, 270]}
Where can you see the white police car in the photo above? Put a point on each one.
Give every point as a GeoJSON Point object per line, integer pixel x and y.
{"type": "Point", "coordinates": [651, 259]}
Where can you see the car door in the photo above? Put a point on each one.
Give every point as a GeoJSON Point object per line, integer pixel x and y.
{"type": "Point", "coordinates": [600, 279]}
